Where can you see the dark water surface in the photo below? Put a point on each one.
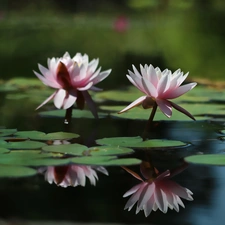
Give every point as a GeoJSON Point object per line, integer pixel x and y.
{"type": "Point", "coordinates": [34, 199]}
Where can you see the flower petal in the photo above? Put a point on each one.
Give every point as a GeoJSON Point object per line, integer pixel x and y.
{"type": "Point", "coordinates": [101, 76]}
{"type": "Point", "coordinates": [163, 84]}
{"type": "Point", "coordinates": [47, 100]}
{"type": "Point", "coordinates": [165, 107]}
{"type": "Point", "coordinates": [69, 101]}
{"type": "Point", "coordinates": [182, 110]}
{"type": "Point", "coordinates": [134, 198]}
{"type": "Point", "coordinates": [178, 190]}
{"type": "Point", "coordinates": [149, 206]}
{"type": "Point", "coordinates": [133, 104]}
{"type": "Point", "coordinates": [149, 88]}
{"type": "Point", "coordinates": [146, 194]}
{"type": "Point", "coordinates": [160, 199]}
{"type": "Point", "coordinates": [90, 103]}
{"type": "Point", "coordinates": [136, 81]}
{"type": "Point", "coordinates": [85, 88]}
{"type": "Point", "coordinates": [59, 98]}
{"type": "Point", "coordinates": [132, 190]}
{"type": "Point", "coordinates": [180, 90]}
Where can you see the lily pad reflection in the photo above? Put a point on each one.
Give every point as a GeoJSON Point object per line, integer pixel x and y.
{"type": "Point", "coordinates": [37, 135]}
{"type": "Point", "coordinates": [7, 132]}
{"type": "Point", "coordinates": [21, 144]}
{"type": "Point", "coordinates": [137, 142]}
{"type": "Point", "coordinates": [207, 159]}
{"type": "Point", "coordinates": [82, 150]}
{"type": "Point", "coordinates": [16, 171]}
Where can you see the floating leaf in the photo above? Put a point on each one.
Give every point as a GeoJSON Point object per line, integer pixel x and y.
{"type": "Point", "coordinates": [126, 95]}
{"type": "Point", "coordinates": [72, 149]}
{"type": "Point", "coordinates": [137, 142]}
{"type": "Point", "coordinates": [21, 144]}
{"type": "Point", "coordinates": [4, 150]}
{"type": "Point", "coordinates": [105, 161]}
{"type": "Point", "coordinates": [208, 159]}
{"type": "Point", "coordinates": [37, 135]}
{"type": "Point", "coordinates": [109, 150]}
{"type": "Point", "coordinates": [7, 132]}
{"type": "Point", "coordinates": [16, 171]}
{"type": "Point", "coordinates": [26, 158]}
{"type": "Point", "coordinates": [75, 114]}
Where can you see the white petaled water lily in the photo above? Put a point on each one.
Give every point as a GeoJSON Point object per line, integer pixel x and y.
{"type": "Point", "coordinates": [72, 77]}
{"type": "Point", "coordinates": [159, 87]}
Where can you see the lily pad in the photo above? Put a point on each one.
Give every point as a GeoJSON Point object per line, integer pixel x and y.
{"type": "Point", "coordinates": [208, 159]}
{"type": "Point", "coordinates": [7, 132]}
{"type": "Point", "coordinates": [126, 95]}
{"type": "Point", "coordinates": [37, 135]}
{"type": "Point", "coordinates": [105, 161]}
{"type": "Point", "coordinates": [82, 150]}
{"type": "Point", "coordinates": [109, 150]}
{"type": "Point", "coordinates": [137, 142]}
{"type": "Point", "coordinates": [4, 150]}
{"type": "Point", "coordinates": [75, 114]}
{"type": "Point", "coordinates": [71, 149]}
{"type": "Point", "coordinates": [26, 158]}
{"type": "Point", "coordinates": [21, 144]}
{"type": "Point", "coordinates": [16, 171]}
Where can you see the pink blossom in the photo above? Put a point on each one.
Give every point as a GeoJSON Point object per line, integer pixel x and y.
{"type": "Point", "coordinates": [72, 175]}
{"type": "Point", "coordinates": [156, 193]}
{"type": "Point", "coordinates": [121, 24]}
{"type": "Point", "coordinates": [159, 87]}
{"type": "Point", "coordinates": [72, 77]}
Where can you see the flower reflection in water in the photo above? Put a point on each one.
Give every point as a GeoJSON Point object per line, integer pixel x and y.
{"type": "Point", "coordinates": [72, 175]}
{"type": "Point", "coordinates": [157, 191]}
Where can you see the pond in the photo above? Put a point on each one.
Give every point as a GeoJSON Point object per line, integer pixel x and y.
{"type": "Point", "coordinates": [28, 197]}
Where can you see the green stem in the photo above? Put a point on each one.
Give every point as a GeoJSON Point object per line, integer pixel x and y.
{"type": "Point", "coordinates": [150, 120]}
{"type": "Point", "coordinates": [68, 116]}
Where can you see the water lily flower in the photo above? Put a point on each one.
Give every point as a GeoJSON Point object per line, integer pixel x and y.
{"type": "Point", "coordinates": [72, 175]}
{"type": "Point", "coordinates": [156, 192]}
{"type": "Point", "coordinates": [72, 78]}
{"type": "Point", "coordinates": [158, 88]}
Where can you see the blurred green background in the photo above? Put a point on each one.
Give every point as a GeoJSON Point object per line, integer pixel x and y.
{"type": "Point", "coordinates": [167, 33]}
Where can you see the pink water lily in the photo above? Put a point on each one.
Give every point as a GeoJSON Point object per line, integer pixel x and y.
{"type": "Point", "coordinates": [72, 175]}
{"type": "Point", "coordinates": [156, 192]}
{"type": "Point", "coordinates": [159, 87]}
{"type": "Point", "coordinates": [72, 77]}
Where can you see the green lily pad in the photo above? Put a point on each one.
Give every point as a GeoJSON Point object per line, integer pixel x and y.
{"type": "Point", "coordinates": [27, 158]}
{"type": "Point", "coordinates": [4, 150]}
{"type": "Point", "coordinates": [16, 171]}
{"type": "Point", "coordinates": [208, 159]}
{"type": "Point", "coordinates": [75, 114]}
{"type": "Point", "coordinates": [7, 132]}
{"type": "Point", "coordinates": [126, 95]}
{"type": "Point", "coordinates": [109, 150]}
{"type": "Point", "coordinates": [37, 135]}
{"type": "Point", "coordinates": [71, 149]}
{"type": "Point", "coordinates": [105, 161]}
{"type": "Point", "coordinates": [137, 142]}
{"type": "Point", "coordinates": [21, 144]}
{"type": "Point", "coordinates": [82, 150]}
{"type": "Point", "coordinates": [222, 132]}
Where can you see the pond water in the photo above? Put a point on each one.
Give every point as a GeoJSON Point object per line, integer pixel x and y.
{"type": "Point", "coordinates": [32, 199]}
